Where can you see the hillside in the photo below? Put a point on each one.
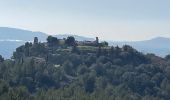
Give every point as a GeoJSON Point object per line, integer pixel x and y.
{"type": "Point", "coordinates": [67, 69]}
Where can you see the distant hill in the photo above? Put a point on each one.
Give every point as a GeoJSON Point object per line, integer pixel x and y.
{"type": "Point", "coordinates": [7, 47]}
{"type": "Point", "coordinates": [19, 34]}
{"type": "Point", "coordinates": [11, 38]}
{"type": "Point", "coordinates": [159, 46]}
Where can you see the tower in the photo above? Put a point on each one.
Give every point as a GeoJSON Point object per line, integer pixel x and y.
{"type": "Point", "coordinates": [97, 40]}
{"type": "Point", "coordinates": [35, 40]}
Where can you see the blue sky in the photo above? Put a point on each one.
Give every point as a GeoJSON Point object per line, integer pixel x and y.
{"type": "Point", "coordinates": [108, 19]}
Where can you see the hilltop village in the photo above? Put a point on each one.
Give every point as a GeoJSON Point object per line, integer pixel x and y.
{"type": "Point", "coordinates": [43, 52]}
{"type": "Point", "coordinates": [69, 44]}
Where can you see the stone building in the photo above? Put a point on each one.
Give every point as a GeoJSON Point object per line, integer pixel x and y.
{"type": "Point", "coordinates": [35, 40]}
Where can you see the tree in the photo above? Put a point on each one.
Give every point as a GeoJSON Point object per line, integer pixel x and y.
{"type": "Point", "coordinates": [167, 57]}
{"type": "Point", "coordinates": [82, 69]}
{"type": "Point", "coordinates": [27, 48]}
{"type": "Point", "coordinates": [98, 68]}
{"type": "Point", "coordinates": [112, 53]}
{"type": "Point", "coordinates": [75, 49]}
{"type": "Point", "coordinates": [128, 48]}
{"type": "Point", "coordinates": [70, 41]}
{"type": "Point", "coordinates": [104, 44]}
{"type": "Point", "coordinates": [52, 40]}
{"type": "Point", "coordinates": [89, 83]}
{"type": "Point", "coordinates": [19, 93]}
{"type": "Point", "coordinates": [68, 67]}
{"type": "Point", "coordinates": [1, 59]}
{"type": "Point", "coordinates": [4, 87]}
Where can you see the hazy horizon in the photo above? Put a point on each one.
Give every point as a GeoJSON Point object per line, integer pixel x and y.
{"type": "Point", "coordinates": [67, 34]}
{"type": "Point", "coordinates": [123, 20]}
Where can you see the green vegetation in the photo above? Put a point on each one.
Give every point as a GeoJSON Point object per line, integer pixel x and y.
{"type": "Point", "coordinates": [64, 70]}
{"type": "Point", "coordinates": [70, 41]}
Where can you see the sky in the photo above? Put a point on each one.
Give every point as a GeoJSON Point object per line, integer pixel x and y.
{"type": "Point", "coordinates": [122, 20]}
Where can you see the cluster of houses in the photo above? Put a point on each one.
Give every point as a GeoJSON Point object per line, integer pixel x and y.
{"type": "Point", "coordinates": [89, 43]}
{"type": "Point", "coordinates": [81, 43]}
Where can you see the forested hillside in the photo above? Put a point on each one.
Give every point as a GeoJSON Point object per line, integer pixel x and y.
{"type": "Point", "coordinates": [66, 69]}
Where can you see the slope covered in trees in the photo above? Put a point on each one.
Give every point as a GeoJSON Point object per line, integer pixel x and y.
{"type": "Point", "coordinates": [66, 69]}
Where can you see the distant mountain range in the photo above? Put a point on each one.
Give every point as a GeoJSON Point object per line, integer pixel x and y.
{"type": "Point", "coordinates": [11, 38]}
{"type": "Point", "coordinates": [159, 46]}
{"type": "Point", "coordinates": [18, 34]}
